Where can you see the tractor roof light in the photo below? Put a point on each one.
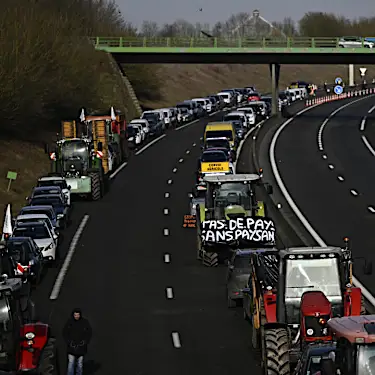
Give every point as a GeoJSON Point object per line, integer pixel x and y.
{"type": "Point", "coordinates": [30, 335]}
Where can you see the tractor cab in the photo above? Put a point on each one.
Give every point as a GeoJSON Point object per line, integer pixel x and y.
{"type": "Point", "coordinates": [230, 197]}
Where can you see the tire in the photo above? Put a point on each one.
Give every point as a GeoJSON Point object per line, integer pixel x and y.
{"type": "Point", "coordinates": [48, 359]}
{"type": "Point", "coordinates": [96, 186]}
{"type": "Point", "coordinates": [276, 342]}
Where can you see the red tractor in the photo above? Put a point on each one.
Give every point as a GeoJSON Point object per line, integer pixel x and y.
{"type": "Point", "coordinates": [280, 281]}
{"type": "Point", "coordinates": [24, 346]}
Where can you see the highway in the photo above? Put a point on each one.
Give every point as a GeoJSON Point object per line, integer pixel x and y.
{"type": "Point", "coordinates": [326, 167]}
{"type": "Point", "coordinates": [153, 307]}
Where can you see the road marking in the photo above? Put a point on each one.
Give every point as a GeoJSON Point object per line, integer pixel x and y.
{"type": "Point", "coordinates": [368, 145]}
{"type": "Point", "coordinates": [188, 124]}
{"type": "Point", "coordinates": [372, 109]}
{"type": "Point", "coordinates": [187, 151]}
{"type": "Point", "coordinates": [166, 195]}
{"type": "Point", "coordinates": [176, 340]}
{"type": "Point", "coordinates": [354, 192]}
{"type": "Point", "coordinates": [325, 122]}
{"type": "Point", "coordinates": [181, 160]}
{"type": "Point", "coordinates": [324, 157]}
{"type": "Point", "coordinates": [370, 208]}
{"type": "Point", "coordinates": [279, 206]}
{"type": "Point", "coordinates": [170, 182]}
{"type": "Point", "coordinates": [166, 211]}
{"type": "Point", "coordinates": [150, 144]}
{"type": "Point", "coordinates": [169, 292]}
{"type": "Point", "coordinates": [174, 170]}
{"type": "Point", "coordinates": [166, 232]}
{"type": "Point", "coordinates": [245, 138]}
{"type": "Point", "coordinates": [363, 124]}
{"type": "Point", "coordinates": [120, 168]}
{"type": "Point", "coordinates": [331, 166]}
{"type": "Point", "coordinates": [194, 144]}
{"type": "Point", "coordinates": [340, 178]}
{"type": "Point", "coordinates": [213, 113]}
{"type": "Point", "coordinates": [167, 258]}
{"type": "Point", "coordinates": [293, 205]}
{"type": "Point", "coordinates": [64, 269]}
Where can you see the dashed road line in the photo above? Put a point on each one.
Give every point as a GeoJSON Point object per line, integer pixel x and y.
{"type": "Point", "coordinates": [371, 109]}
{"type": "Point", "coordinates": [166, 232]}
{"type": "Point", "coordinates": [370, 208]}
{"type": "Point", "coordinates": [167, 258]}
{"type": "Point", "coordinates": [354, 192]}
{"type": "Point", "coordinates": [340, 178]}
{"type": "Point", "coordinates": [324, 157]}
{"type": "Point", "coordinates": [166, 195]}
{"type": "Point", "coordinates": [64, 269]}
{"type": "Point", "coordinates": [166, 211]}
{"type": "Point", "coordinates": [368, 145]}
{"type": "Point", "coordinates": [181, 160]}
{"type": "Point", "coordinates": [174, 170]}
{"type": "Point", "coordinates": [331, 166]}
{"type": "Point", "coordinates": [176, 340]}
{"type": "Point", "coordinates": [150, 144]}
{"type": "Point", "coordinates": [194, 144]}
{"type": "Point", "coordinates": [363, 124]}
{"type": "Point", "coordinates": [170, 182]}
{"type": "Point", "coordinates": [169, 292]}
{"type": "Point", "coordinates": [120, 168]}
{"type": "Point", "coordinates": [187, 152]}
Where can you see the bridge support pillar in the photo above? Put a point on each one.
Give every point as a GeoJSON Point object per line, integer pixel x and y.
{"type": "Point", "coordinates": [275, 75]}
{"type": "Point", "coordinates": [351, 74]}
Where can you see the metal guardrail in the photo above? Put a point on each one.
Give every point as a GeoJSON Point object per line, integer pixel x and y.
{"type": "Point", "coordinates": [140, 42]}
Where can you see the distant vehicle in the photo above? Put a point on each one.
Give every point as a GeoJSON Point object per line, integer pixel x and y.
{"type": "Point", "coordinates": [134, 136]}
{"type": "Point", "coordinates": [47, 190]}
{"type": "Point", "coordinates": [253, 97]}
{"type": "Point", "coordinates": [156, 127]}
{"type": "Point", "coordinates": [143, 122]}
{"type": "Point", "coordinates": [250, 114]}
{"type": "Point", "coordinates": [237, 115]}
{"type": "Point", "coordinates": [354, 42]}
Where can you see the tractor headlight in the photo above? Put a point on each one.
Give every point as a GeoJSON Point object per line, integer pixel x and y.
{"type": "Point", "coordinates": [310, 332]}
{"type": "Point", "coordinates": [30, 335]}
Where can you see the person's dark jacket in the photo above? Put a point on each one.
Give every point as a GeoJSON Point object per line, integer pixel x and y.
{"type": "Point", "coordinates": [77, 334]}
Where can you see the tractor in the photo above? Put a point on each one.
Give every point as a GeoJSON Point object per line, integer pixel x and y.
{"type": "Point", "coordinates": [285, 314]}
{"type": "Point", "coordinates": [87, 152]}
{"type": "Point", "coordinates": [25, 346]}
{"type": "Point", "coordinates": [228, 197]}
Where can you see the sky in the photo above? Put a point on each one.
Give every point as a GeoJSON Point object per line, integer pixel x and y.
{"type": "Point", "coordinates": [166, 11]}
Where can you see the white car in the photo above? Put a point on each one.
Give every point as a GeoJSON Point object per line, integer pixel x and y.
{"type": "Point", "coordinates": [167, 116]}
{"type": "Point", "coordinates": [43, 218]}
{"type": "Point", "coordinates": [237, 115]}
{"type": "Point", "coordinates": [134, 135]}
{"type": "Point", "coordinates": [140, 127]}
{"type": "Point", "coordinates": [249, 112]}
{"type": "Point", "coordinates": [56, 181]}
{"type": "Point", "coordinates": [354, 42]}
{"type": "Point", "coordinates": [41, 235]}
{"type": "Point", "coordinates": [143, 122]}
{"type": "Point", "coordinates": [157, 112]}
{"type": "Point", "coordinates": [226, 97]}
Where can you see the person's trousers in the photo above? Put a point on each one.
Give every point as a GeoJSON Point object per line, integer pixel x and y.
{"type": "Point", "coordinates": [73, 363]}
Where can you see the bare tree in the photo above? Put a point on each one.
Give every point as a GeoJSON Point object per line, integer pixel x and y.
{"type": "Point", "coordinates": [149, 29]}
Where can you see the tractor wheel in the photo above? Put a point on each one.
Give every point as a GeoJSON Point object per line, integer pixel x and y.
{"type": "Point", "coordinates": [96, 186]}
{"type": "Point", "coordinates": [276, 359]}
{"type": "Point", "coordinates": [48, 359]}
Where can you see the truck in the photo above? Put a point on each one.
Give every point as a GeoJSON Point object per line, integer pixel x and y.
{"type": "Point", "coordinates": [88, 151]}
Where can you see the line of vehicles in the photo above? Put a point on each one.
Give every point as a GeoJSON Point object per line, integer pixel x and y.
{"type": "Point", "coordinates": [306, 316]}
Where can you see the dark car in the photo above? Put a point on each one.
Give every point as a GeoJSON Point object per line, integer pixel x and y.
{"type": "Point", "coordinates": [26, 254]}
{"type": "Point", "coordinates": [214, 103]}
{"type": "Point", "coordinates": [59, 206]}
{"type": "Point", "coordinates": [238, 274]}
{"type": "Point", "coordinates": [46, 190]}
{"type": "Point", "coordinates": [156, 127]}
{"type": "Point", "coordinates": [221, 143]}
{"type": "Point", "coordinates": [47, 210]}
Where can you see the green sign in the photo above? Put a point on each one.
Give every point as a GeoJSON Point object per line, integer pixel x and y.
{"type": "Point", "coordinates": [12, 175]}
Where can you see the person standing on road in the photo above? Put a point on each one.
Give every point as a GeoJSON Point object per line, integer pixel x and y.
{"type": "Point", "coordinates": [77, 334]}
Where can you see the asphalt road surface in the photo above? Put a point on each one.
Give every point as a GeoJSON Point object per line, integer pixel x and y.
{"type": "Point", "coordinates": [153, 307]}
{"type": "Point", "coordinates": [328, 170]}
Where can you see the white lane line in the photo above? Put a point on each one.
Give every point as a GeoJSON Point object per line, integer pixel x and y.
{"type": "Point", "coordinates": [325, 122]}
{"type": "Point", "coordinates": [187, 152]}
{"type": "Point", "coordinates": [120, 168]}
{"type": "Point", "coordinates": [188, 124]}
{"type": "Point", "coordinates": [363, 124]}
{"type": "Point", "coordinates": [340, 178]}
{"type": "Point", "coordinates": [166, 195]}
{"type": "Point", "coordinates": [331, 166]}
{"type": "Point", "coordinates": [64, 269]}
{"type": "Point", "coordinates": [170, 182]}
{"type": "Point", "coordinates": [213, 113]}
{"type": "Point", "coordinates": [354, 192]}
{"type": "Point", "coordinates": [166, 232]}
{"type": "Point", "coordinates": [370, 298]}
{"type": "Point", "coordinates": [194, 144]}
{"type": "Point", "coordinates": [176, 340]}
{"type": "Point", "coordinates": [181, 160]}
{"type": "Point", "coordinates": [370, 208]}
{"type": "Point", "coordinates": [368, 145]}
{"type": "Point", "coordinates": [169, 292]}
{"type": "Point", "coordinates": [166, 211]}
{"type": "Point", "coordinates": [371, 109]}
{"type": "Point", "coordinates": [167, 258]}
{"type": "Point", "coordinates": [174, 170]}
{"type": "Point", "coordinates": [325, 157]}
{"type": "Point", "coordinates": [150, 144]}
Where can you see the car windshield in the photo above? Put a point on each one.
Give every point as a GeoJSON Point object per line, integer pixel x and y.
{"type": "Point", "coordinates": [183, 109]}
{"type": "Point", "coordinates": [46, 191]}
{"type": "Point", "coordinates": [31, 212]}
{"type": "Point", "coordinates": [149, 115]}
{"type": "Point", "coordinates": [60, 183]}
{"type": "Point", "coordinates": [36, 232]}
{"type": "Point", "coordinates": [166, 113]}
{"type": "Point", "coordinates": [33, 219]}
{"type": "Point", "coordinates": [212, 143]}
{"type": "Point", "coordinates": [187, 106]}
{"type": "Point", "coordinates": [238, 124]}
{"type": "Point", "coordinates": [242, 262]}
{"type": "Point", "coordinates": [246, 110]}
{"type": "Point", "coordinates": [233, 117]}
{"type": "Point", "coordinates": [54, 202]}
{"type": "Point", "coordinates": [215, 156]}
{"type": "Point", "coordinates": [226, 96]}
{"type": "Point", "coordinates": [366, 359]}
{"type": "Point", "coordinates": [229, 194]}
{"type": "Point", "coordinates": [201, 102]}
{"type": "Point", "coordinates": [305, 275]}
{"type": "Point", "coordinates": [131, 131]}
{"type": "Point", "coordinates": [74, 150]}
{"type": "Point", "coordinates": [220, 134]}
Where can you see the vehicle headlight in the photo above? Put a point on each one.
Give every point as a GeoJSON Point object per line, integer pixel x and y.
{"type": "Point", "coordinates": [30, 335]}
{"type": "Point", "coordinates": [131, 139]}
{"type": "Point", "coordinates": [60, 216]}
{"type": "Point", "coordinates": [310, 332]}
{"type": "Point", "coordinates": [194, 206]}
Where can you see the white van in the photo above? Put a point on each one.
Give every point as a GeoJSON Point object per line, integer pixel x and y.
{"type": "Point", "coordinates": [227, 97]}
{"type": "Point", "coordinates": [296, 94]}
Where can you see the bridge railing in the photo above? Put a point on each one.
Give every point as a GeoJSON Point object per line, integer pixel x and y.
{"type": "Point", "coordinates": [127, 42]}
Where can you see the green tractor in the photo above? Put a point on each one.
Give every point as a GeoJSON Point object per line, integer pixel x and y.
{"type": "Point", "coordinates": [228, 197]}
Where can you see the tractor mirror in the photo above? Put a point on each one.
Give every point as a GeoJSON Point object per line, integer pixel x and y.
{"type": "Point", "coordinates": [46, 148]}
{"type": "Point", "coordinates": [100, 146]}
{"type": "Point", "coordinates": [368, 268]}
{"type": "Point", "coordinates": [269, 189]}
